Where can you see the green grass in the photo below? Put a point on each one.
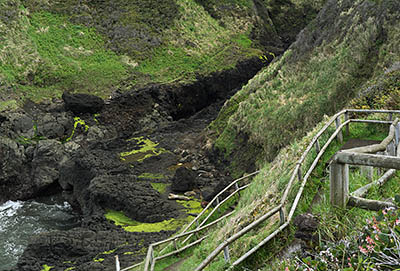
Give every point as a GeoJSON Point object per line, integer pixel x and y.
{"type": "Point", "coordinates": [56, 55]}
{"type": "Point", "coordinates": [73, 57]}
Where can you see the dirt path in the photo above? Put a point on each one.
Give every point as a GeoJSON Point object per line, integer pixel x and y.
{"type": "Point", "coordinates": [175, 266]}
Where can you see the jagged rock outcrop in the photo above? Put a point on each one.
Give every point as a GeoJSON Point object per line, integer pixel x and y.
{"type": "Point", "coordinates": [81, 103]}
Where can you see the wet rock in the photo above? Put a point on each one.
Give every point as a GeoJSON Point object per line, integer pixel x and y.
{"type": "Point", "coordinates": [183, 180]}
{"type": "Point", "coordinates": [81, 103]}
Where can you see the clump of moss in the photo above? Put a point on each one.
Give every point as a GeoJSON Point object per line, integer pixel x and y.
{"type": "Point", "coordinates": [147, 148]}
{"type": "Point", "coordinates": [46, 267]}
{"type": "Point", "coordinates": [8, 105]}
{"type": "Point", "coordinates": [109, 251]}
{"type": "Point", "coordinates": [151, 176]}
{"type": "Point", "coordinates": [129, 225]}
{"type": "Point", "coordinates": [192, 206]}
{"type": "Point", "coordinates": [80, 122]}
{"type": "Point", "coordinates": [160, 187]}
{"type": "Point", "coordinates": [120, 219]}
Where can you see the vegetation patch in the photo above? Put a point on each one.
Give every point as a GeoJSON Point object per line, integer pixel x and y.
{"type": "Point", "coordinates": [120, 219]}
{"type": "Point", "coordinates": [160, 187]}
{"type": "Point", "coordinates": [147, 148]}
{"type": "Point", "coordinates": [46, 267]}
{"type": "Point", "coordinates": [8, 105]}
{"type": "Point", "coordinates": [78, 123]}
{"type": "Point", "coordinates": [151, 176]}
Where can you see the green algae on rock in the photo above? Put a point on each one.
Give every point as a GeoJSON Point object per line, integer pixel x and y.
{"type": "Point", "coordinates": [80, 122]}
{"type": "Point", "coordinates": [160, 187]}
{"type": "Point", "coordinates": [46, 267]}
{"type": "Point", "coordinates": [147, 148]}
{"type": "Point", "coordinates": [151, 176]}
{"type": "Point", "coordinates": [120, 219]}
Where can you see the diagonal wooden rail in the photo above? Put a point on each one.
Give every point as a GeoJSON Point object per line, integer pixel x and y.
{"type": "Point", "coordinates": [341, 120]}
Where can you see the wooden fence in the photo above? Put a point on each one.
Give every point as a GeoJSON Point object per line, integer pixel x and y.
{"type": "Point", "coordinates": [341, 120]}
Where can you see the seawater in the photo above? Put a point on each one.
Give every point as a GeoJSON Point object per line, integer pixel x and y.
{"type": "Point", "coordinates": [21, 220]}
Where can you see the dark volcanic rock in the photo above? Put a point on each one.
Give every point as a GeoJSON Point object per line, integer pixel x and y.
{"type": "Point", "coordinates": [98, 180]}
{"type": "Point", "coordinates": [307, 225]}
{"type": "Point", "coordinates": [14, 171]}
{"type": "Point", "coordinates": [183, 180]}
{"type": "Point", "coordinates": [137, 199]}
{"type": "Point", "coordinates": [82, 103]}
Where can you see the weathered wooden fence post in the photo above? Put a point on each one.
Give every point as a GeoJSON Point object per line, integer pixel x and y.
{"type": "Point", "coordinates": [226, 254]}
{"type": "Point", "coordinates": [282, 216]}
{"type": "Point", "coordinates": [339, 177]}
{"type": "Point", "coordinates": [340, 134]}
{"type": "Point", "coordinates": [346, 118]}
{"type": "Point", "coordinates": [317, 147]}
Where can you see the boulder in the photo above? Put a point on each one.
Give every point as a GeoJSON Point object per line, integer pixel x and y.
{"type": "Point", "coordinates": [81, 103]}
{"type": "Point", "coordinates": [136, 199]}
{"type": "Point", "coordinates": [15, 171]}
{"type": "Point", "coordinates": [46, 162]}
{"type": "Point", "coordinates": [307, 225]}
{"type": "Point", "coordinates": [183, 180]}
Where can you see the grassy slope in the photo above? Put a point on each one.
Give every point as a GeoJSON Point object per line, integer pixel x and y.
{"type": "Point", "coordinates": [345, 50]}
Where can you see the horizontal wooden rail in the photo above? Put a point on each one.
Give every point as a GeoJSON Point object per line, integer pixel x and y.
{"type": "Point", "coordinates": [372, 121]}
{"type": "Point", "coordinates": [363, 159]}
{"type": "Point", "coordinates": [369, 111]}
{"type": "Point", "coordinates": [181, 249]}
{"type": "Point", "coordinates": [369, 204]}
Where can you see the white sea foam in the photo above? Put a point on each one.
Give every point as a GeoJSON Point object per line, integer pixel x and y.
{"type": "Point", "coordinates": [10, 208]}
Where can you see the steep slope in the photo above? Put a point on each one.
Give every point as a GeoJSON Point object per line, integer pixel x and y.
{"type": "Point", "coordinates": [350, 46]}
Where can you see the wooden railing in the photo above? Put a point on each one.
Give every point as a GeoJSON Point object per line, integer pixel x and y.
{"type": "Point", "coordinates": [281, 208]}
